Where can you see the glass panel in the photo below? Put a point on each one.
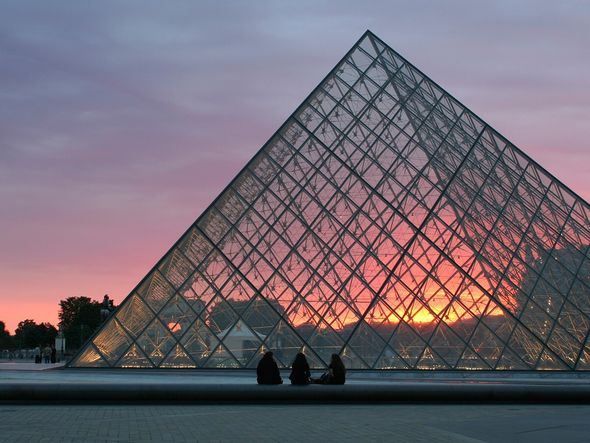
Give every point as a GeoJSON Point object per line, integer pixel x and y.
{"type": "Point", "coordinates": [390, 360]}
{"type": "Point", "coordinates": [112, 341]}
{"type": "Point", "coordinates": [177, 316]}
{"type": "Point", "coordinates": [89, 358]}
{"type": "Point", "coordinates": [199, 342]}
{"type": "Point", "coordinates": [241, 341]}
{"type": "Point", "coordinates": [564, 345]}
{"type": "Point", "coordinates": [156, 342]}
{"type": "Point", "coordinates": [135, 358]}
{"type": "Point", "coordinates": [407, 344]}
{"type": "Point", "coordinates": [351, 360]}
{"type": "Point", "coordinates": [155, 291]}
{"type": "Point", "coordinates": [471, 361]}
{"type": "Point", "coordinates": [134, 315]}
{"type": "Point", "coordinates": [366, 346]}
{"type": "Point", "coordinates": [176, 268]}
{"type": "Point", "coordinates": [195, 246]}
{"type": "Point", "coordinates": [221, 357]}
{"type": "Point", "coordinates": [178, 358]}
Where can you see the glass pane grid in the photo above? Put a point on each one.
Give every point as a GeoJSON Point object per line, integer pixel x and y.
{"type": "Point", "coordinates": [384, 222]}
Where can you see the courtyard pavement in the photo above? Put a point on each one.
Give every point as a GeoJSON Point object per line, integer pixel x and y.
{"type": "Point", "coordinates": [295, 423]}
{"type": "Point", "coordinates": [19, 365]}
{"type": "Point", "coordinates": [408, 420]}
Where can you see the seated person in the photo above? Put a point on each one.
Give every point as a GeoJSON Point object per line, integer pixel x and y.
{"type": "Point", "coordinates": [336, 374]}
{"type": "Point", "coordinates": [267, 371]}
{"type": "Point", "coordinates": [300, 374]}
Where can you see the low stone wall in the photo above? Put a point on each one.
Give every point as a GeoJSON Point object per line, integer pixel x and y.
{"type": "Point", "coordinates": [250, 393]}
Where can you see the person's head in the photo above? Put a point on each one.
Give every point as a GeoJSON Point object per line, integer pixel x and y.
{"type": "Point", "coordinates": [268, 355]}
{"type": "Point", "coordinates": [299, 359]}
{"type": "Point", "coordinates": [336, 360]}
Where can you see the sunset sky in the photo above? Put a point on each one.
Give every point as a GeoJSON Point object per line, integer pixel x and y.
{"type": "Point", "coordinates": [121, 121]}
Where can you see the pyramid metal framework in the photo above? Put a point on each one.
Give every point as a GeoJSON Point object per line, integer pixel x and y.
{"type": "Point", "coordinates": [385, 222]}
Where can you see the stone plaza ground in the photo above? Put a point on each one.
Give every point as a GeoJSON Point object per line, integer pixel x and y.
{"type": "Point", "coordinates": [311, 419]}
{"type": "Point", "coordinates": [295, 423]}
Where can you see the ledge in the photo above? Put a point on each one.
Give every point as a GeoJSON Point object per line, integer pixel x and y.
{"type": "Point", "coordinates": [250, 393]}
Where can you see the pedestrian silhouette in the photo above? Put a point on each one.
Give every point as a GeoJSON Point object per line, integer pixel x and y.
{"type": "Point", "coordinates": [267, 372]}
{"type": "Point", "coordinates": [300, 374]}
{"type": "Point", "coordinates": [336, 374]}
{"type": "Point", "coordinates": [46, 354]}
{"type": "Point", "coordinates": [105, 307]}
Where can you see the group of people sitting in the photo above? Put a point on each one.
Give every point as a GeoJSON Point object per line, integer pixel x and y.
{"type": "Point", "coordinates": [268, 373]}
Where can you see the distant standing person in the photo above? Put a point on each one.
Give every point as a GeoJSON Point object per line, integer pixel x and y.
{"type": "Point", "coordinates": [300, 374]}
{"type": "Point", "coordinates": [336, 374]}
{"type": "Point", "coordinates": [267, 371]}
{"type": "Point", "coordinates": [46, 354]}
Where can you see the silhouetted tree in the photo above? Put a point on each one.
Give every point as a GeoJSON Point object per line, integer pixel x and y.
{"type": "Point", "coordinates": [29, 334]}
{"type": "Point", "coordinates": [78, 317]}
{"type": "Point", "coordinates": [6, 340]}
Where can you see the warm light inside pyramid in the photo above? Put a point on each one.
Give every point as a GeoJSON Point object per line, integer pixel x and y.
{"type": "Point", "coordinates": [384, 222]}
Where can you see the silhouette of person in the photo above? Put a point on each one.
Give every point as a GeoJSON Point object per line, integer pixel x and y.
{"type": "Point", "coordinates": [105, 310]}
{"type": "Point", "coordinates": [336, 374]}
{"type": "Point", "coordinates": [300, 374]}
{"type": "Point", "coordinates": [267, 371]}
{"type": "Point", "coordinates": [337, 370]}
{"type": "Point", "coordinates": [46, 354]}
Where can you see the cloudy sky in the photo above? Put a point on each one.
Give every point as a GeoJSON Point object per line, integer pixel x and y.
{"type": "Point", "coordinates": [121, 120]}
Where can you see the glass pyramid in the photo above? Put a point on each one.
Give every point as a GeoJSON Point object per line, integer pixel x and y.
{"type": "Point", "coordinates": [385, 222]}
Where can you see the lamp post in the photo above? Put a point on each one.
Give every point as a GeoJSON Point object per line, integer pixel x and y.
{"type": "Point", "coordinates": [60, 344]}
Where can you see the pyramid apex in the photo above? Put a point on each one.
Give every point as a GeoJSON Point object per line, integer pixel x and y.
{"type": "Point", "coordinates": [368, 32]}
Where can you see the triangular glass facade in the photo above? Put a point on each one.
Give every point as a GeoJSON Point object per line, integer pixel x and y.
{"type": "Point", "coordinates": [385, 222]}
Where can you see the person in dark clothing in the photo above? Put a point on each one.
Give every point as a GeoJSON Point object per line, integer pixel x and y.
{"type": "Point", "coordinates": [337, 370]}
{"type": "Point", "coordinates": [336, 374]}
{"type": "Point", "coordinates": [46, 354]}
{"type": "Point", "coordinates": [300, 374]}
{"type": "Point", "coordinates": [105, 310]}
{"type": "Point", "coordinates": [267, 371]}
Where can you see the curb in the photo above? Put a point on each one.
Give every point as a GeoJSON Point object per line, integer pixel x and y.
{"type": "Point", "coordinates": [241, 393]}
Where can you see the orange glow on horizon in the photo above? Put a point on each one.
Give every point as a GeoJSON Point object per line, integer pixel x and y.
{"type": "Point", "coordinates": [401, 304]}
{"type": "Point", "coordinates": [418, 314]}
